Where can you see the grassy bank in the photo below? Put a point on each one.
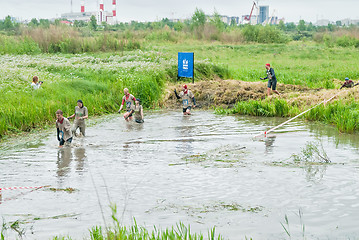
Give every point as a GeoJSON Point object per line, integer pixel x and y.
{"type": "Point", "coordinates": [97, 80]}
{"type": "Point", "coordinates": [343, 114]}
{"type": "Point", "coordinates": [300, 63]}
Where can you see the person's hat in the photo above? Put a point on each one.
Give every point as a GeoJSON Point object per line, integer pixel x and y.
{"type": "Point", "coordinates": [185, 86]}
{"type": "Point", "coordinates": [268, 64]}
{"type": "Point", "coordinates": [346, 79]}
{"type": "Point", "coordinates": [137, 99]}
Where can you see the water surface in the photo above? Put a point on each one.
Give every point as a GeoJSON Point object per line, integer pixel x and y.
{"type": "Point", "coordinates": [204, 170]}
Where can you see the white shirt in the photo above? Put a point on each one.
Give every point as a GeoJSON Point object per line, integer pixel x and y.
{"type": "Point", "coordinates": [35, 85]}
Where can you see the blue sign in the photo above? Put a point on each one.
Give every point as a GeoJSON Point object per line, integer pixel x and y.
{"type": "Point", "coordinates": [185, 64]}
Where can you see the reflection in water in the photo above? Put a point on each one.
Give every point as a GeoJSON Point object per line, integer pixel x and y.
{"type": "Point", "coordinates": [315, 173]}
{"type": "Point", "coordinates": [269, 141]}
{"type": "Point", "coordinates": [64, 157]}
{"type": "Point", "coordinates": [133, 126]}
{"type": "Point", "coordinates": [80, 156]}
{"type": "Point", "coordinates": [185, 131]}
{"type": "Point", "coordinates": [230, 176]}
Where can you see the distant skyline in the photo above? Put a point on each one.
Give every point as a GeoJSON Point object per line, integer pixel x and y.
{"type": "Point", "coordinates": [145, 10]}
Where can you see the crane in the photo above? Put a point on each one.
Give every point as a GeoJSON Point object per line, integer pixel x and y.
{"type": "Point", "coordinates": [269, 20]}
{"type": "Point", "coordinates": [248, 18]}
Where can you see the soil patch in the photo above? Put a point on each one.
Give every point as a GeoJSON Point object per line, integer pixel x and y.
{"type": "Point", "coordinates": [226, 93]}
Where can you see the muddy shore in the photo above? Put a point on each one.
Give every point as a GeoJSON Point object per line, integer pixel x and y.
{"type": "Point", "coordinates": [225, 93]}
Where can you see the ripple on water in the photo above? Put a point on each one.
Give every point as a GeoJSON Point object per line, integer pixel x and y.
{"type": "Point", "coordinates": [204, 170]}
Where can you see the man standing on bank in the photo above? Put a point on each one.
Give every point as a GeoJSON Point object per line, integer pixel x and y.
{"type": "Point", "coordinates": [64, 134]}
{"type": "Point", "coordinates": [272, 80]}
{"type": "Point", "coordinates": [129, 99]}
{"type": "Point", "coordinates": [81, 113]}
{"type": "Point", "coordinates": [188, 99]}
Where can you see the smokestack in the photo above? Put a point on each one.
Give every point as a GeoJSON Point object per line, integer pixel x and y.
{"type": "Point", "coordinates": [82, 6]}
{"type": "Point", "coordinates": [114, 8]}
{"type": "Point", "coordinates": [101, 5]}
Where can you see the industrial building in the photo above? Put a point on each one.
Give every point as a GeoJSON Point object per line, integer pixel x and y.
{"type": "Point", "coordinates": [263, 14]}
{"type": "Point", "coordinates": [101, 15]}
{"type": "Point", "coordinates": [260, 15]}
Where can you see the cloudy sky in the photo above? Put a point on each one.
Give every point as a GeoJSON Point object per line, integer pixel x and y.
{"type": "Point", "coordinates": [146, 10]}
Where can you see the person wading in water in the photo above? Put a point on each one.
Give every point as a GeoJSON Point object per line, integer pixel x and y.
{"type": "Point", "coordinates": [63, 125]}
{"type": "Point", "coordinates": [188, 99]}
{"type": "Point", "coordinates": [272, 80]}
{"type": "Point", "coordinates": [81, 113]}
{"type": "Point", "coordinates": [129, 99]}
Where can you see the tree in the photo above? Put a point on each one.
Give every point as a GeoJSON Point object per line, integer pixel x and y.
{"type": "Point", "coordinates": [198, 18]}
{"type": "Point", "coordinates": [281, 25]}
{"type": "Point", "coordinates": [8, 24]}
{"type": "Point", "coordinates": [301, 26]}
{"type": "Point", "coordinates": [310, 27]}
{"type": "Point", "coordinates": [217, 21]}
{"type": "Point", "coordinates": [178, 26]}
{"type": "Point", "coordinates": [93, 23]}
{"type": "Point", "coordinates": [338, 23]}
{"type": "Point", "coordinates": [330, 27]}
{"type": "Point", "coordinates": [34, 22]}
{"type": "Point", "coordinates": [45, 23]}
{"type": "Point", "coordinates": [290, 26]}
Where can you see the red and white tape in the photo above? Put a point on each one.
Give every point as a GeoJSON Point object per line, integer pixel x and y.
{"type": "Point", "coordinates": [21, 188]}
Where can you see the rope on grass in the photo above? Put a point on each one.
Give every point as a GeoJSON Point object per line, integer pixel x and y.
{"type": "Point", "coordinates": [282, 124]}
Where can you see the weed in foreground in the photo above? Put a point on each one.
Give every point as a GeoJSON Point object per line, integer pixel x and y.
{"type": "Point", "coordinates": [286, 226]}
{"type": "Point", "coordinates": [118, 231]}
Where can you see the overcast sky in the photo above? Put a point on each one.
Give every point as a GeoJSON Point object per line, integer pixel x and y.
{"type": "Point", "coordinates": [150, 10]}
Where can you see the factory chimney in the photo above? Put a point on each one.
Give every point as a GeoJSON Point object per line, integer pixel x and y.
{"type": "Point", "coordinates": [101, 5]}
{"type": "Point", "coordinates": [114, 8]}
{"type": "Point", "coordinates": [82, 6]}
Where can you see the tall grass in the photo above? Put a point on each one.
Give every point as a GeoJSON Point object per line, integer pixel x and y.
{"type": "Point", "coordinates": [307, 64]}
{"type": "Point", "coordinates": [98, 81]}
{"type": "Point", "coordinates": [343, 114]}
{"type": "Point", "coordinates": [119, 231]}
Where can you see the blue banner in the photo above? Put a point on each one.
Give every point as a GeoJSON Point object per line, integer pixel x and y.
{"type": "Point", "coordinates": [185, 64]}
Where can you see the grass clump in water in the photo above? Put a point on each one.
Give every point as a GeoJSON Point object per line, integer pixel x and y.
{"type": "Point", "coordinates": [118, 231]}
{"type": "Point", "coordinates": [312, 153]}
{"type": "Point", "coordinates": [68, 190]}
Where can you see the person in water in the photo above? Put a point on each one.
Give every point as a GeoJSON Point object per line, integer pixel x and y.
{"type": "Point", "coordinates": [137, 111]}
{"type": "Point", "coordinates": [81, 113]}
{"type": "Point", "coordinates": [64, 134]}
{"type": "Point", "coordinates": [36, 84]}
{"type": "Point", "coordinates": [188, 99]}
{"type": "Point", "coordinates": [272, 80]}
{"type": "Point", "coordinates": [129, 99]}
{"type": "Point", "coordinates": [348, 83]}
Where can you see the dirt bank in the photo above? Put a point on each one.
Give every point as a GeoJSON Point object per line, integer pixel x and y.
{"type": "Point", "coordinates": [225, 93]}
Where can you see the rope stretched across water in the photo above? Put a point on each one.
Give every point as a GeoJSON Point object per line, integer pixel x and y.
{"type": "Point", "coordinates": [21, 188]}
{"type": "Point", "coordinates": [282, 124]}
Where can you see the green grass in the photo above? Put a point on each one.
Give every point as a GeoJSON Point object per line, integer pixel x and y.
{"type": "Point", "coordinates": [300, 63]}
{"type": "Point", "coordinates": [343, 114]}
{"type": "Point", "coordinates": [117, 231]}
{"type": "Point", "coordinates": [98, 80]}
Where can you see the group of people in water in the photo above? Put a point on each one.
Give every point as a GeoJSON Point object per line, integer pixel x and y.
{"type": "Point", "coordinates": [134, 110]}
{"type": "Point", "coordinates": [131, 105]}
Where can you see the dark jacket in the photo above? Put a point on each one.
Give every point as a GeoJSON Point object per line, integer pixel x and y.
{"type": "Point", "coordinates": [271, 73]}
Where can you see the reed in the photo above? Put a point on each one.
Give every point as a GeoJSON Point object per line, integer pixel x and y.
{"type": "Point", "coordinates": [97, 80]}
{"type": "Point", "coordinates": [342, 114]}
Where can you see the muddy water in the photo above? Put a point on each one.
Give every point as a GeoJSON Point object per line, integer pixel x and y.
{"type": "Point", "coordinates": [204, 170]}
